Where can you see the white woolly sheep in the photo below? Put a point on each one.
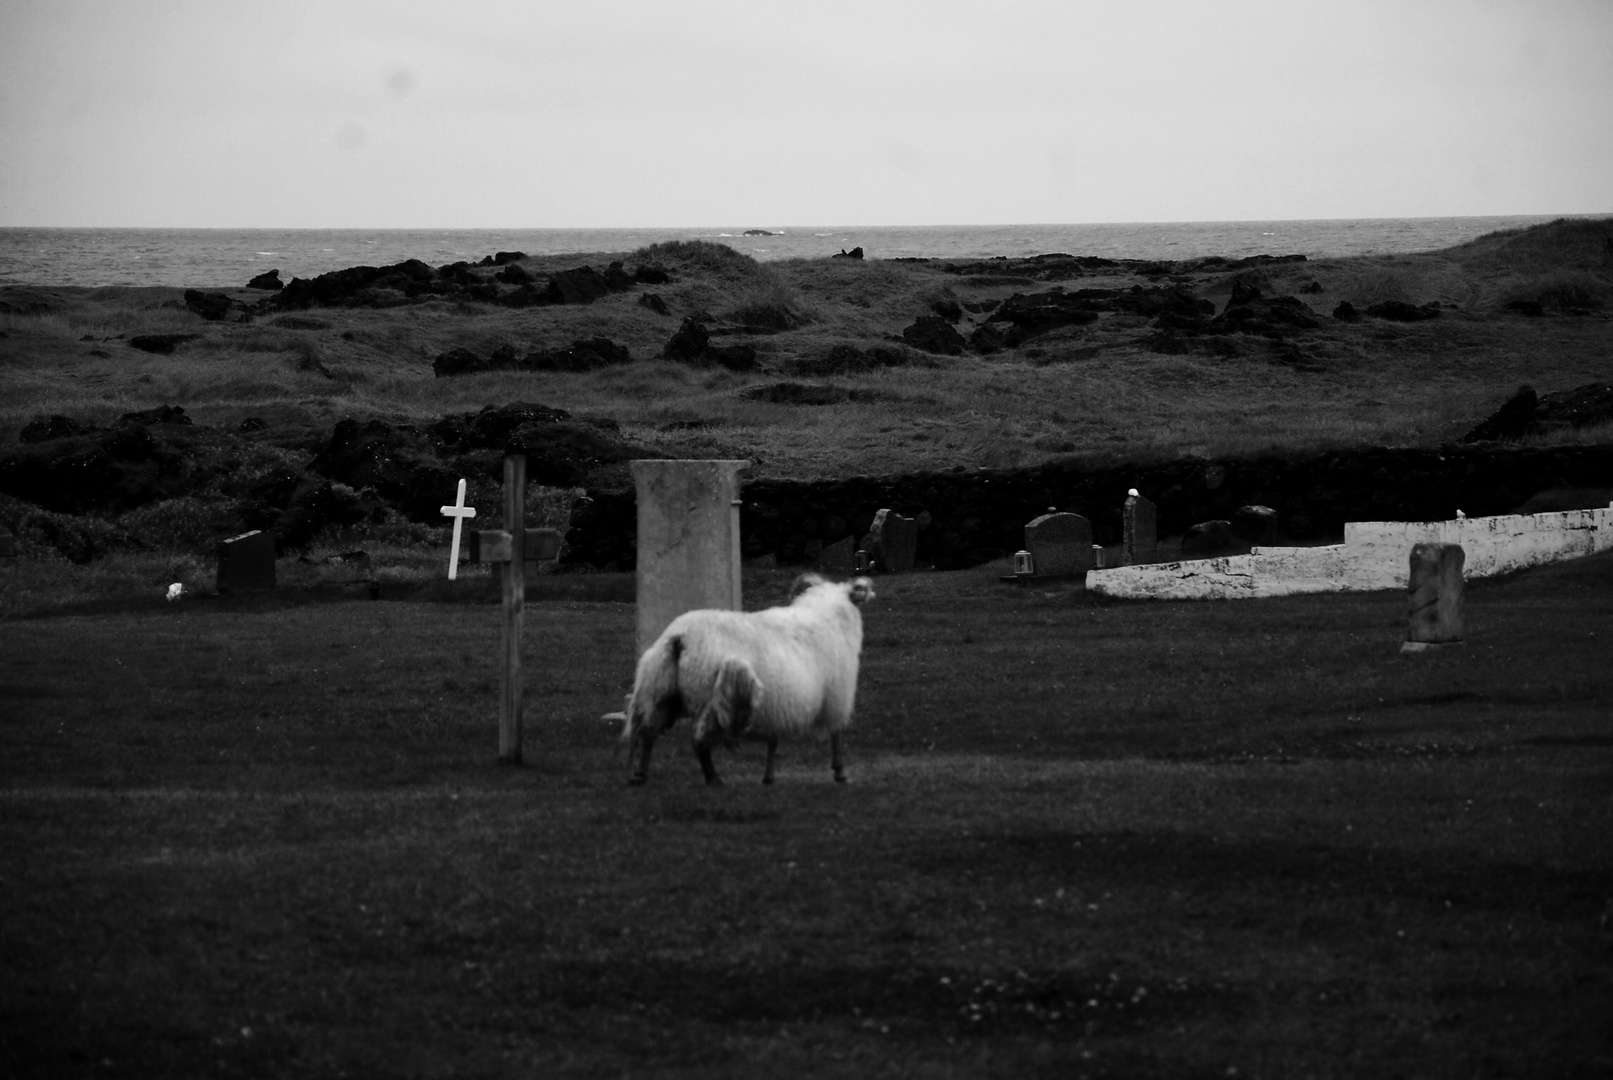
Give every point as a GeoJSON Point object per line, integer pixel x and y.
{"type": "Point", "coordinates": [755, 675]}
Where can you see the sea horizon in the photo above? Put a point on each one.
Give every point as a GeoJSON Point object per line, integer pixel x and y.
{"type": "Point", "coordinates": [216, 256]}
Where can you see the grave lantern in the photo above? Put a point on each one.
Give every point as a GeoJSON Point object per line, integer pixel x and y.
{"type": "Point", "coordinates": [1024, 565]}
{"type": "Point", "coordinates": [859, 561]}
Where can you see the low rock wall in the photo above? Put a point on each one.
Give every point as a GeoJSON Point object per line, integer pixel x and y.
{"type": "Point", "coordinates": [1375, 555]}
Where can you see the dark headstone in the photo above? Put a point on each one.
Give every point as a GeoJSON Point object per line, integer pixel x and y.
{"type": "Point", "coordinates": [1255, 524]}
{"type": "Point", "coordinates": [1435, 596]}
{"type": "Point", "coordinates": [1060, 544]}
{"type": "Point", "coordinates": [1209, 539]}
{"type": "Point", "coordinates": [269, 279]}
{"type": "Point", "coordinates": [839, 557]}
{"type": "Point", "coordinates": [1140, 527]}
{"type": "Point", "coordinates": [892, 542]}
{"type": "Point", "coordinates": [246, 562]}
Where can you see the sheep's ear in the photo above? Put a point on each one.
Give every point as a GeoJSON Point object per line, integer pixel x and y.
{"type": "Point", "coordinates": [803, 583]}
{"type": "Point", "coordinates": [861, 590]}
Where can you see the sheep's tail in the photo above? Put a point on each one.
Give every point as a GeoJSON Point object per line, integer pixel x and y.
{"type": "Point", "coordinates": [736, 693]}
{"type": "Point", "coordinates": [655, 687]}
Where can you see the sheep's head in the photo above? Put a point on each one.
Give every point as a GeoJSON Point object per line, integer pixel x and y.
{"type": "Point", "coordinates": [858, 590]}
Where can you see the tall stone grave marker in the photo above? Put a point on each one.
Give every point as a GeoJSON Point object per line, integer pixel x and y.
{"type": "Point", "coordinates": [1060, 544]}
{"type": "Point", "coordinates": [1140, 525]}
{"type": "Point", "coordinates": [892, 542]}
{"type": "Point", "coordinates": [839, 558]}
{"type": "Point", "coordinates": [246, 563]}
{"type": "Point", "coordinates": [1436, 602]}
{"type": "Point", "coordinates": [688, 540]}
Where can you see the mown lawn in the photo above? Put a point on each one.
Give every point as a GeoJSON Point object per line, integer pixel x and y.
{"type": "Point", "coordinates": [1239, 839]}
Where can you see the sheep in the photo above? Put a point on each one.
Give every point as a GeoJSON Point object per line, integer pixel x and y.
{"type": "Point", "coordinates": [755, 675]}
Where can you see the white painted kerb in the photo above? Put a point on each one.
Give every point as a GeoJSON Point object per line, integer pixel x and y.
{"type": "Point", "coordinates": [1374, 556]}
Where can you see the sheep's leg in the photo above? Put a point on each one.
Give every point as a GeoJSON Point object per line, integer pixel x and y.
{"type": "Point", "coordinates": [835, 759]}
{"type": "Point", "coordinates": [702, 750]}
{"type": "Point", "coordinates": [772, 748]}
{"type": "Point", "coordinates": [646, 739]}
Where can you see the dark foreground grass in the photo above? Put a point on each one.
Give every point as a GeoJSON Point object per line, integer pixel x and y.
{"type": "Point", "coordinates": [1131, 840]}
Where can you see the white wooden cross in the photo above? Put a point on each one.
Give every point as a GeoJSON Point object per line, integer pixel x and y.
{"type": "Point", "coordinates": [459, 512]}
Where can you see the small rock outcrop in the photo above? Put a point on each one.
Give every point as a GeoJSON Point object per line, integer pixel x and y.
{"type": "Point", "coordinates": [1400, 311]}
{"type": "Point", "coordinates": [269, 279]}
{"type": "Point", "coordinates": [213, 307]}
{"type": "Point", "coordinates": [933, 334]}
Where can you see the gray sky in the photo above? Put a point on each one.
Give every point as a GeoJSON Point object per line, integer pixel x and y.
{"type": "Point", "coordinates": [446, 114]}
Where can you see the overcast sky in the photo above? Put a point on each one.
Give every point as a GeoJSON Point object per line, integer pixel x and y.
{"type": "Point", "coordinates": [519, 115]}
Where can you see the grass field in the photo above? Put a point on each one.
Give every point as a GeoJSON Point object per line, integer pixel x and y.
{"type": "Point", "coordinates": [268, 838]}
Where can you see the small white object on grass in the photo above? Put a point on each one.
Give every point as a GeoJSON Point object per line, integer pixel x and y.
{"type": "Point", "coordinates": [175, 591]}
{"type": "Point", "coordinates": [1460, 516]}
{"type": "Point", "coordinates": [1133, 493]}
{"type": "Point", "coordinates": [459, 512]}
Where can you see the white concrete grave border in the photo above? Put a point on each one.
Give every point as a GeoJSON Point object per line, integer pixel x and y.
{"type": "Point", "coordinates": [1372, 557]}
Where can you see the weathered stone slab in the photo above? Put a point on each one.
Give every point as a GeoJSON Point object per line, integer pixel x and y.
{"type": "Point", "coordinates": [1140, 527]}
{"type": "Point", "coordinates": [1255, 524]}
{"type": "Point", "coordinates": [1060, 544]}
{"type": "Point", "coordinates": [688, 540]}
{"type": "Point", "coordinates": [1210, 539]}
{"type": "Point", "coordinates": [246, 563]}
{"type": "Point", "coordinates": [892, 542]}
{"type": "Point", "coordinates": [1436, 600]}
{"type": "Point", "coordinates": [839, 558]}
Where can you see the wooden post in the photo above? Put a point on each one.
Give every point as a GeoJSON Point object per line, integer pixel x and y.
{"type": "Point", "coordinates": [509, 706]}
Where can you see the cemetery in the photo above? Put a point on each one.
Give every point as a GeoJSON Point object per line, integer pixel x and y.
{"type": "Point", "coordinates": [311, 754]}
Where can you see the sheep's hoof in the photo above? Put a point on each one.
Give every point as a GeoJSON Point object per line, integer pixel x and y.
{"type": "Point", "coordinates": [840, 778]}
{"type": "Point", "coordinates": [636, 780]}
{"type": "Point", "coordinates": [767, 779]}
{"type": "Point", "coordinates": [714, 781]}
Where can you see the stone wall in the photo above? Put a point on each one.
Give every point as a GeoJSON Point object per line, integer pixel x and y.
{"type": "Point", "coordinates": [1375, 555]}
{"type": "Point", "coordinates": [968, 517]}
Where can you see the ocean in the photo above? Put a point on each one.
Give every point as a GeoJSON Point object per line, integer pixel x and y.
{"type": "Point", "coordinates": [222, 257]}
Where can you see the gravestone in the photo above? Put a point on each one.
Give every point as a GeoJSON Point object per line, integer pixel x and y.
{"type": "Point", "coordinates": [688, 540]}
{"type": "Point", "coordinates": [1255, 525]}
{"type": "Point", "coordinates": [892, 542]}
{"type": "Point", "coordinates": [246, 562]}
{"type": "Point", "coordinates": [1208, 539]}
{"type": "Point", "coordinates": [1435, 597]}
{"type": "Point", "coordinates": [1060, 544]}
{"type": "Point", "coordinates": [839, 557]}
{"type": "Point", "coordinates": [1140, 526]}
